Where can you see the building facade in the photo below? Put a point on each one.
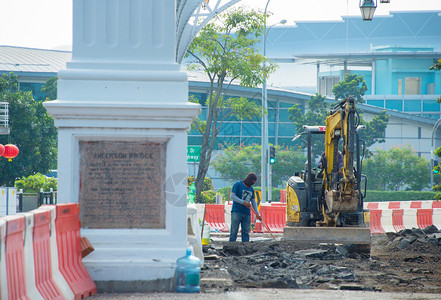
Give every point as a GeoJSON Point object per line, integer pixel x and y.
{"type": "Point", "coordinates": [393, 53]}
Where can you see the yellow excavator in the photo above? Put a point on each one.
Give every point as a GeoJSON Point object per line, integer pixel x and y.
{"type": "Point", "coordinates": [326, 204]}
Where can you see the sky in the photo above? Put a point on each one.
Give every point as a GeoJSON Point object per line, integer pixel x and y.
{"type": "Point", "coordinates": [47, 24]}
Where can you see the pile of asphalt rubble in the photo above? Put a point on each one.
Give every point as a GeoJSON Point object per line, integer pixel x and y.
{"type": "Point", "coordinates": [414, 238]}
{"type": "Point", "coordinates": [273, 265]}
{"type": "Point", "coordinates": [289, 264]}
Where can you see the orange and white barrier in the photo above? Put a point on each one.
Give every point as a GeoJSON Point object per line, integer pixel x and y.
{"type": "Point", "coordinates": [402, 204]}
{"type": "Point", "coordinates": [399, 215]}
{"type": "Point", "coordinates": [41, 255]}
{"type": "Point", "coordinates": [274, 216]}
{"type": "Point", "coordinates": [14, 256]}
{"type": "Point", "coordinates": [215, 217]}
{"type": "Point", "coordinates": [30, 267]}
{"type": "Point", "coordinates": [67, 226]}
{"type": "Point", "coordinates": [44, 274]}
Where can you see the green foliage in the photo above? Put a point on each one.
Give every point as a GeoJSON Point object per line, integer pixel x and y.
{"type": "Point", "coordinates": [33, 183]}
{"type": "Point", "coordinates": [50, 88]}
{"type": "Point", "coordinates": [209, 197]}
{"type": "Point", "coordinates": [397, 169]}
{"type": "Point", "coordinates": [208, 183]}
{"type": "Point", "coordinates": [224, 192]}
{"type": "Point", "coordinates": [227, 50]}
{"type": "Point", "coordinates": [436, 66]}
{"type": "Point", "coordinates": [374, 132]}
{"type": "Point", "coordinates": [352, 85]}
{"type": "Point", "coordinates": [315, 116]}
{"type": "Point", "coordinates": [32, 130]}
{"type": "Point", "coordinates": [436, 177]}
{"type": "Point", "coordinates": [234, 163]}
{"type": "Point", "coordinates": [208, 194]}
{"type": "Point", "coordinates": [384, 196]}
{"type": "Point", "coordinates": [289, 160]}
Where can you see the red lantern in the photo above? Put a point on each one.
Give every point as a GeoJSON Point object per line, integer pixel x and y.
{"type": "Point", "coordinates": [2, 149]}
{"type": "Point", "coordinates": [11, 151]}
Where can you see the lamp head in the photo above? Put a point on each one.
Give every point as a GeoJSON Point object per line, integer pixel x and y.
{"type": "Point", "coordinates": [367, 8]}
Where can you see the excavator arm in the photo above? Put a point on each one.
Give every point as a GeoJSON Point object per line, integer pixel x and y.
{"type": "Point", "coordinates": [340, 184]}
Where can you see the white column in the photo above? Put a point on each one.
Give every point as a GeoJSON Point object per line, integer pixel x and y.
{"type": "Point", "coordinates": [123, 85]}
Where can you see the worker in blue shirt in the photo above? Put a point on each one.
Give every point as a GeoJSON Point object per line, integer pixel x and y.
{"type": "Point", "coordinates": [243, 197]}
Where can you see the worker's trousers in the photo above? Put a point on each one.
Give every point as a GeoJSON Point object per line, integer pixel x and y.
{"type": "Point", "coordinates": [244, 220]}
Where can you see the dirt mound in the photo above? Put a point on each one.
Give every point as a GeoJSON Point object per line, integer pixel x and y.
{"type": "Point", "coordinates": [406, 261]}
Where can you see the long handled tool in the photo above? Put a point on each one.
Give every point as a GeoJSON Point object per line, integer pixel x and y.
{"type": "Point", "coordinates": [264, 224]}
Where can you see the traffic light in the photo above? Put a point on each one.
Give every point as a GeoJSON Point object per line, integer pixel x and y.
{"type": "Point", "coordinates": [272, 154]}
{"type": "Point", "coordinates": [435, 167]}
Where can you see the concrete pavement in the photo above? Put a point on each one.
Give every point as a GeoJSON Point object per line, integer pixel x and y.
{"type": "Point", "coordinates": [264, 294]}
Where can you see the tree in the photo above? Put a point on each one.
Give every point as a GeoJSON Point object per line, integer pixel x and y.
{"type": "Point", "coordinates": [352, 85]}
{"type": "Point", "coordinates": [50, 88]}
{"type": "Point", "coordinates": [236, 162]}
{"type": "Point", "coordinates": [316, 116]}
{"type": "Point", "coordinates": [32, 130]}
{"type": "Point", "coordinates": [374, 132]}
{"type": "Point", "coordinates": [289, 160]}
{"type": "Point", "coordinates": [398, 168]}
{"type": "Point", "coordinates": [226, 50]}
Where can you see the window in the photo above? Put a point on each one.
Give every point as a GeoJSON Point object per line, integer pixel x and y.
{"type": "Point", "coordinates": [400, 86]}
{"type": "Point", "coordinates": [327, 84]}
{"type": "Point", "coordinates": [431, 89]}
{"type": "Point", "coordinates": [412, 86]}
{"type": "Point", "coordinates": [412, 105]}
{"type": "Point", "coordinates": [35, 88]}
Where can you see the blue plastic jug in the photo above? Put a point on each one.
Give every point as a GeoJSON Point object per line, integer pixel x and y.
{"type": "Point", "coordinates": [188, 270]}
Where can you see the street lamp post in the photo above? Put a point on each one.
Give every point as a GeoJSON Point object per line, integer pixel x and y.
{"type": "Point", "coordinates": [265, 168]}
{"type": "Point", "coordinates": [264, 152]}
{"type": "Point", "coordinates": [265, 95]}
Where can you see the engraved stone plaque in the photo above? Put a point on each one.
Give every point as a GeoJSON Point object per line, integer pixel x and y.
{"type": "Point", "coordinates": [122, 184]}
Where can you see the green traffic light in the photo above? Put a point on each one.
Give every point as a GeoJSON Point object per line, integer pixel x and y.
{"type": "Point", "coordinates": [272, 160]}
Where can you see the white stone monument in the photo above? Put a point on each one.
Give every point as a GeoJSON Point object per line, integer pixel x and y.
{"type": "Point", "coordinates": [122, 116]}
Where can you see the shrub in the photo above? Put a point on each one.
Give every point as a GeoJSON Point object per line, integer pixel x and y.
{"type": "Point", "coordinates": [209, 197]}
{"type": "Point", "coordinates": [208, 183]}
{"type": "Point", "coordinates": [380, 196]}
{"type": "Point", "coordinates": [33, 183]}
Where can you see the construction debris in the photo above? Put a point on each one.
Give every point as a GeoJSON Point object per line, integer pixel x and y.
{"type": "Point", "coordinates": [407, 261]}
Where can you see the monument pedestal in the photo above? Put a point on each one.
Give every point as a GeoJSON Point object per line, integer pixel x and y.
{"type": "Point", "coordinates": [122, 116]}
{"type": "Point", "coordinates": [126, 166]}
